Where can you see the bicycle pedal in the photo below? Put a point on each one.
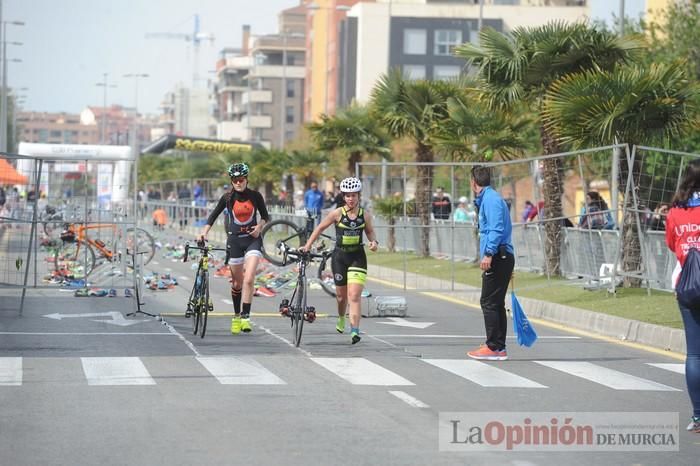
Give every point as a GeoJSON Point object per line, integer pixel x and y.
{"type": "Point", "coordinates": [310, 316]}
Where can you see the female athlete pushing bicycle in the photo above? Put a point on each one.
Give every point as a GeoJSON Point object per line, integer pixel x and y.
{"type": "Point", "coordinates": [349, 262]}
{"type": "Point", "coordinates": [242, 207]}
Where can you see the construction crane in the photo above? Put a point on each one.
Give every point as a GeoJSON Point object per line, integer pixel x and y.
{"type": "Point", "coordinates": [195, 38]}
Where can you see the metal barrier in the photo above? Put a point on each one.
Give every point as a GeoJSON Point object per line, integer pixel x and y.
{"type": "Point", "coordinates": [52, 188]}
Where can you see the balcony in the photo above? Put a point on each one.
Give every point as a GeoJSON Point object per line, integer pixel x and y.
{"type": "Point", "coordinates": [277, 71]}
{"type": "Point", "coordinates": [258, 121]}
{"type": "Point", "coordinates": [235, 63]}
{"type": "Point", "coordinates": [261, 96]}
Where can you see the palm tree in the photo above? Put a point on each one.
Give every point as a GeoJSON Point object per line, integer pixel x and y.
{"type": "Point", "coordinates": [390, 208]}
{"type": "Point", "coordinates": [267, 168]}
{"type": "Point", "coordinates": [413, 109]}
{"type": "Point", "coordinates": [307, 164]}
{"type": "Point", "coordinates": [635, 104]}
{"type": "Point", "coordinates": [352, 132]}
{"type": "Point", "coordinates": [473, 132]}
{"type": "Point", "coordinates": [520, 67]}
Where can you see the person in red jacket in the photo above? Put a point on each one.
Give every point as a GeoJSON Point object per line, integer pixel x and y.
{"type": "Point", "coordinates": [682, 234]}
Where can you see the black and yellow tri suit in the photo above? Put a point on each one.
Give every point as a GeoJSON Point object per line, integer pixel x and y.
{"type": "Point", "coordinates": [349, 261]}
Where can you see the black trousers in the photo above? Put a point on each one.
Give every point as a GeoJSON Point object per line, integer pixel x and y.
{"type": "Point", "coordinates": [494, 286]}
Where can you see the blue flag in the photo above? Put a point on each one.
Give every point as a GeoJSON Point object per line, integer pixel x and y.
{"type": "Point", "coordinates": [524, 332]}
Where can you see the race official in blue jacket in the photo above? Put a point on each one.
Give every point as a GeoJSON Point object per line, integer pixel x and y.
{"type": "Point", "coordinates": [497, 262]}
{"type": "Point", "coordinates": [313, 201]}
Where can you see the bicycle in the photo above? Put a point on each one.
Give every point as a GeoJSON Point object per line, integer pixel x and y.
{"type": "Point", "coordinates": [296, 307]}
{"type": "Point", "coordinates": [76, 245]}
{"type": "Point", "coordinates": [199, 304]}
{"type": "Point", "coordinates": [285, 232]}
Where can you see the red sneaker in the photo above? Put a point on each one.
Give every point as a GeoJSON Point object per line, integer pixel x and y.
{"type": "Point", "coordinates": [487, 354]}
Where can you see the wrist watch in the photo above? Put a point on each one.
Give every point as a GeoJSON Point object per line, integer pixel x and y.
{"type": "Point", "coordinates": [488, 254]}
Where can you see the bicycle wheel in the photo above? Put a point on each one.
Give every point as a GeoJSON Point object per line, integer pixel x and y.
{"type": "Point", "coordinates": [277, 232]}
{"type": "Point", "coordinates": [140, 241]}
{"type": "Point", "coordinates": [204, 307]}
{"type": "Point", "coordinates": [325, 277]}
{"type": "Point", "coordinates": [192, 308]}
{"type": "Point", "coordinates": [52, 227]}
{"type": "Point", "coordinates": [298, 312]}
{"type": "Point", "coordinates": [73, 255]}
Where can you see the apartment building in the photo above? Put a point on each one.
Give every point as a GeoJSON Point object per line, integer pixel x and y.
{"type": "Point", "coordinates": [56, 128]}
{"type": "Point", "coordinates": [323, 52]}
{"type": "Point", "coordinates": [419, 36]}
{"type": "Point", "coordinates": [185, 111]}
{"type": "Point", "coordinates": [259, 88]}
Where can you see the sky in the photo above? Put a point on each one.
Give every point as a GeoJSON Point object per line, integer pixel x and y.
{"type": "Point", "coordinates": [68, 45]}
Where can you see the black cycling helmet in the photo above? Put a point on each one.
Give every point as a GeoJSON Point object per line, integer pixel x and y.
{"type": "Point", "coordinates": [238, 170]}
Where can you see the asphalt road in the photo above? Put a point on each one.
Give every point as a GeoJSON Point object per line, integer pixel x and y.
{"type": "Point", "coordinates": [95, 387]}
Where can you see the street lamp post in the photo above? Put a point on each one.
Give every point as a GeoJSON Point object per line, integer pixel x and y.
{"type": "Point", "coordinates": [331, 10]}
{"type": "Point", "coordinates": [104, 85]}
{"type": "Point", "coordinates": [136, 76]}
{"type": "Point", "coordinates": [3, 102]}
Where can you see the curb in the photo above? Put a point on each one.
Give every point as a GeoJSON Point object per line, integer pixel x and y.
{"type": "Point", "coordinates": [616, 328]}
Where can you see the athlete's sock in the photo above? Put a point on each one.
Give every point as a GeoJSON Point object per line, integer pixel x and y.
{"type": "Point", "coordinates": [246, 310]}
{"type": "Point", "coordinates": [236, 298]}
{"type": "Point", "coordinates": [355, 330]}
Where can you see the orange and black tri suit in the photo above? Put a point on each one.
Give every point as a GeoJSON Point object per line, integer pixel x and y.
{"type": "Point", "coordinates": [241, 210]}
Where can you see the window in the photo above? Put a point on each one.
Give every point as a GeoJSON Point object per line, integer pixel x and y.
{"type": "Point", "coordinates": [414, 71]}
{"type": "Point", "coordinates": [446, 40]}
{"type": "Point", "coordinates": [290, 114]}
{"type": "Point", "coordinates": [257, 134]}
{"type": "Point", "coordinates": [289, 135]}
{"type": "Point", "coordinates": [56, 134]}
{"type": "Point", "coordinates": [474, 37]}
{"type": "Point", "coordinates": [415, 42]}
{"type": "Point", "coordinates": [443, 72]}
{"type": "Point", "coordinates": [43, 135]}
{"type": "Point", "coordinates": [290, 88]}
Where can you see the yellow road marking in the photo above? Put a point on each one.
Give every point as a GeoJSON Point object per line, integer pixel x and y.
{"type": "Point", "coordinates": [546, 323]}
{"type": "Point", "coordinates": [230, 314]}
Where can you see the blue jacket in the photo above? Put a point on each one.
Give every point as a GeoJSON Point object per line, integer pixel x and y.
{"type": "Point", "coordinates": [313, 201]}
{"type": "Point", "coordinates": [495, 227]}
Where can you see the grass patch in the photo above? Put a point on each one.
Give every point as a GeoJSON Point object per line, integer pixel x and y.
{"type": "Point", "coordinates": [658, 308]}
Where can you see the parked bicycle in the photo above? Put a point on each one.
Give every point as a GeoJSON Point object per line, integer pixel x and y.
{"type": "Point", "coordinates": [199, 304]}
{"type": "Point", "coordinates": [78, 248]}
{"type": "Point", "coordinates": [285, 232]}
{"type": "Point", "coordinates": [296, 307]}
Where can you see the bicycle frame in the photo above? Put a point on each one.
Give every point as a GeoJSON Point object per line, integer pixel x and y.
{"type": "Point", "coordinates": [82, 236]}
{"type": "Point", "coordinates": [199, 301]}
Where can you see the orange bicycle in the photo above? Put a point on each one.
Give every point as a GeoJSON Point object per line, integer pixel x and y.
{"type": "Point", "coordinates": [77, 248]}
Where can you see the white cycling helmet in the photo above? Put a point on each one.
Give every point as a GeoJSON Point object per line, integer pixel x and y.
{"type": "Point", "coordinates": [351, 185]}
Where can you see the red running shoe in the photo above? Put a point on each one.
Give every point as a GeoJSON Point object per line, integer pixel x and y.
{"type": "Point", "coordinates": [487, 354]}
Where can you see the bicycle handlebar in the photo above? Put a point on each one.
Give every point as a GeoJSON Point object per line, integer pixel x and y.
{"type": "Point", "coordinates": [302, 255]}
{"type": "Point", "coordinates": [201, 246]}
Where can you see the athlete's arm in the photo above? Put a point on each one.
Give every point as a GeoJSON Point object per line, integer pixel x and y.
{"type": "Point", "coordinates": [370, 233]}
{"type": "Point", "coordinates": [331, 218]}
{"type": "Point", "coordinates": [212, 217]}
{"type": "Point", "coordinates": [264, 216]}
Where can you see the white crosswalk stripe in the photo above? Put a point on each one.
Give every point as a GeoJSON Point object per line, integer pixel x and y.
{"type": "Point", "coordinates": [10, 371]}
{"type": "Point", "coordinates": [604, 376]}
{"type": "Point", "coordinates": [239, 371]}
{"type": "Point", "coordinates": [116, 371]}
{"type": "Point", "coordinates": [247, 370]}
{"type": "Point", "coordinates": [677, 368]}
{"type": "Point", "coordinates": [360, 371]}
{"type": "Point", "coordinates": [483, 374]}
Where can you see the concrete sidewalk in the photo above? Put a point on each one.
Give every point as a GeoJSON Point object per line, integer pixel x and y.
{"type": "Point", "coordinates": [666, 338]}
